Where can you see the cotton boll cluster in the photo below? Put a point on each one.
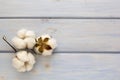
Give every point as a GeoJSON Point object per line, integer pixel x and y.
{"type": "Point", "coordinates": [23, 61]}
{"type": "Point", "coordinates": [45, 45]}
{"type": "Point", "coordinates": [26, 44]}
{"type": "Point", "coordinates": [24, 39]}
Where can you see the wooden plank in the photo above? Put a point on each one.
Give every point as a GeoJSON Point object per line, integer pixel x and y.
{"type": "Point", "coordinates": [92, 8]}
{"type": "Point", "coordinates": [71, 35]}
{"type": "Point", "coordinates": [65, 66]}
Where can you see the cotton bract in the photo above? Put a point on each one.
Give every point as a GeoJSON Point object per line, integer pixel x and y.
{"type": "Point", "coordinates": [23, 61]}
{"type": "Point", "coordinates": [24, 39]}
{"type": "Point", "coordinates": [45, 45]}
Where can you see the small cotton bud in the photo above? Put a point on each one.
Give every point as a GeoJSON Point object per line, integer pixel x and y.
{"type": "Point", "coordinates": [21, 33]}
{"type": "Point", "coordinates": [19, 43]}
{"type": "Point", "coordinates": [30, 34]}
{"type": "Point", "coordinates": [30, 42]}
{"type": "Point", "coordinates": [23, 61]}
{"type": "Point", "coordinates": [45, 45]}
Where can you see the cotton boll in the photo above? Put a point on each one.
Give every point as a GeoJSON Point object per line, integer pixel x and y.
{"type": "Point", "coordinates": [19, 43]}
{"type": "Point", "coordinates": [21, 33]}
{"type": "Point", "coordinates": [45, 45]}
{"type": "Point", "coordinates": [23, 61]}
{"type": "Point", "coordinates": [30, 42]}
{"type": "Point", "coordinates": [47, 52]}
{"type": "Point", "coordinates": [23, 56]}
{"type": "Point", "coordinates": [52, 43]}
{"type": "Point", "coordinates": [30, 34]}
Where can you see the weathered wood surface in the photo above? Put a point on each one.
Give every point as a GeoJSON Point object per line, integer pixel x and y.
{"type": "Point", "coordinates": [65, 66]}
{"type": "Point", "coordinates": [71, 35]}
{"type": "Point", "coordinates": [92, 8]}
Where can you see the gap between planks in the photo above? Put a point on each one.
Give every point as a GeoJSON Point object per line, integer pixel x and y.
{"type": "Point", "coordinates": [60, 17]}
{"type": "Point", "coordinates": [77, 52]}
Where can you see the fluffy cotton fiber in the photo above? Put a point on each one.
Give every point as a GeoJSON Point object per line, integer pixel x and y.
{"type": "Point", "coordinates": [19, 43]}
{"type": "Point", "coordinates": [23, 61]}
{"type": "Point", "coordinates": [30, 42]}
{"type": "Point", "coordinates": [21, 33]}
{"type": "Point", "coordinates": [25, 39]}
{"type": "Point", "coordinates": [46, 40]}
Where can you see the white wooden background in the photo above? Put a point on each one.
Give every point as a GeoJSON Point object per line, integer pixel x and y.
{"type": "Point", "coordinates": [88, 49]}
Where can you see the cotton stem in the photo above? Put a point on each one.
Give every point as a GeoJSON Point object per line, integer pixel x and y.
{"type": "Point", "coordinates": [5, 39]}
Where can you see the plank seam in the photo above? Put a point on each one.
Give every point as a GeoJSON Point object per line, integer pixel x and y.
{"type": "Point", "coordinates": [104, 52]}
{"type": "Point", "coordinates": [60, 17]}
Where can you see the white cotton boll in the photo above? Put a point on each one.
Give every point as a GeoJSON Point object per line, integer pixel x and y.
{"type": "Point", "coordinates": [47, 52]}
{"type": "Point", "coordinates": [30, 42]}
{"type": "Point", "coordinates": [30, 34]}
{"type": "Point", "coordinates": [23, 56]}
{"type": "Point", "coordinates": [52, 43]}
{"type": "Point", "coordinates": [23, 61]}
{"type": "Point", "coordinates": [17, 63]}
{"type": "Point", "coordinates": [19, 43]}
{"type": "Point", "coordinates": [21, 33]}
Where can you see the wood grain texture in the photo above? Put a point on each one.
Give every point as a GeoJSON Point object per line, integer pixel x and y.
{"type": "Point", "coordinates": [66, 67]}
{"type": "Point", "coordinates": [71, 35]}
{"type": "Point", "coordinates": [92, 8]}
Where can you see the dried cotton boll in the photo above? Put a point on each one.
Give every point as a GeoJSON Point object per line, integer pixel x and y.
{"type": "Point", "coordinates": [30, 34]}
{"type": "Point", "coordinates": [45, 45]}
{"type": "Point", "coordinates": [19, 43]}
{"type": "Point", "coordinates": [21, 33]}
{"type": "Point", "coordinates": [30, 42]}
{"type": "Point", "coordinates": [23, 61]}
